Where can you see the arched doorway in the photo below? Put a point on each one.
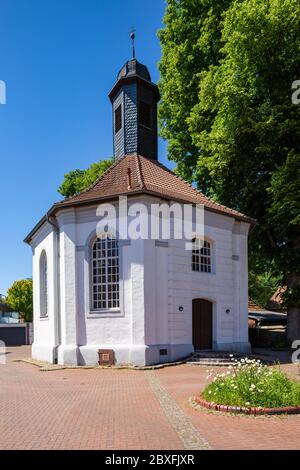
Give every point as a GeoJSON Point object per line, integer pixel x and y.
{"type": "Point", "coordinates": [202, 324]}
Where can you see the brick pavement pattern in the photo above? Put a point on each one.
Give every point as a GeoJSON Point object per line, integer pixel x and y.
{"type": "Point", "coordinates": [124, 409]}
{"type": "Point", "coordinates": [190, 437]}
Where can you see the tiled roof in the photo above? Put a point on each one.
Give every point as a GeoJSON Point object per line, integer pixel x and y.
{"type": "Point", "coordinates": [134, 173]}
{"type": "Point", "coordinates": [253, 307]}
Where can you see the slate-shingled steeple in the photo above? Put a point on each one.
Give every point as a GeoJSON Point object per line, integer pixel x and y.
{"type": "Point", "coordinates": [134, 100]}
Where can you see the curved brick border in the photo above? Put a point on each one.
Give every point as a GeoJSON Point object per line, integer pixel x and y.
{"type": "Point", "coordinates": [247, 410]}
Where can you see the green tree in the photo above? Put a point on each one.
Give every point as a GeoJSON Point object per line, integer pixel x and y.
{"type": "Point", "coordinates": [78, 180]}
{"type": "Point", "coordinates": [20, 298]}
{"type": "Point", "coordinates": [243, 124]}
{"type": "Point", "coordinates": [190, 43]}
{"type": "Point", "coordinates": [262, 286]}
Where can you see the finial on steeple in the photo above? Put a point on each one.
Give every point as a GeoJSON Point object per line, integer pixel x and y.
{"type": "Point", "coordinates": [132, 35]}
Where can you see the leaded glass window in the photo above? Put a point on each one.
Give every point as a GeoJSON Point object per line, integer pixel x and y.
{"type": "Point", "coordinates": [105, 273]}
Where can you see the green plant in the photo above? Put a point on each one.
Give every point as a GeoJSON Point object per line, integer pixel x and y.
{"type": "Point", "coordinates": [19, 298]}
{"type": "Point", "coordinates": [248, 382]}
{"type": "Point", "coordinates": [79, 180]}
{"type": "Point", "coordinates": [226, 74]}
{"type": "Point", "coordinates": [262, 285]}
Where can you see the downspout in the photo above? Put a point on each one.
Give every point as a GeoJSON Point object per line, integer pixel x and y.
{"type": "Point", "coordinates": [52, 221]}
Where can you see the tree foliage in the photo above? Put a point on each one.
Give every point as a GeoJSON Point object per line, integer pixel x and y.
{"type": "Point", "coordinates": [78, 180]}
{"type": "Point", "coordinates": [226, 109]}
{"type": "Point", "coordinates": [262, 286]}
{"type": "Point", "coordinates": [191, 43]}
{"type": "Point", "coordinates": [20, 298]}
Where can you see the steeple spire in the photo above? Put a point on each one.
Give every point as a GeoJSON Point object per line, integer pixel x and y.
{"type": "Point", "coordinates": [132, 35]}
{"type": "Point", "coordinates": [134, 101]}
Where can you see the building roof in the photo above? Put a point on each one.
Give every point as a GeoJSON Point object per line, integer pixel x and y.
{"type": "Point", "coordinates": [133, 72]}
{"type": "Point", "coordinates": [150, 177]}
{"type": "Point", "coordinates": [135, 174]}
{"type": "Point", "coordinates": [133, 67]}
{"type": "Point", "coordinates": [256, 312]}
{"type": "Point", "coordinates": [253, 307]}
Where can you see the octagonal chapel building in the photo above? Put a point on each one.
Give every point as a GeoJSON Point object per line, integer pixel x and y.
{"type": "Point", "coordinates": [146, 299]}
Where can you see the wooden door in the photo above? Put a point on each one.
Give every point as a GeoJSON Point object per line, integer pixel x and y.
{"type": "Point", "coordinates": [202, 324]}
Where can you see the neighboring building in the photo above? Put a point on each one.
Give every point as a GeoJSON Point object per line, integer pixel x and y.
{"type": "Point", "coordinates": [13, 331]}
{"type": "Point", "coordinates": [6, 314]}
{"type": "Point", "coordinates": [148, 300]}
{"type": "Point", "coordinates": [3, 306]}
{"type": "Point", "coordinates": [9, 317]}
{"type": "Point", "coordinates": [258, 316]}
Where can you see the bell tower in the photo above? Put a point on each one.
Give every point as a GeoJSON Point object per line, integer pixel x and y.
{"type": "Point", "coordinates": [134, 101]}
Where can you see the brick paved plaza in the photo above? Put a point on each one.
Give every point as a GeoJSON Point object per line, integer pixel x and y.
{"type": "Point", "coordinates": [124, 409]}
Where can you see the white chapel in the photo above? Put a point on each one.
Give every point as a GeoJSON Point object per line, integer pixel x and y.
{"type": "Point", "coordinates": [146, 299]}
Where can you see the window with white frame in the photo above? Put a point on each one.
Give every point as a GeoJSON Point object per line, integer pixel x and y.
{"type": "Point", "coordinates": [105, 273]}
{"type": "Point", "coordinates": [201, 256]}
{"type": "Point", "coordinates": [43, 285]}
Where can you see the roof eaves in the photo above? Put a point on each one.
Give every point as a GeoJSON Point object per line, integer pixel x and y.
{"type": "Point", "coordinates": [40, 223]}
{"type": "Point", "coordinates": [223, 209]}
{"type": "Point", "coordinates": [73, 202]}
{"type": "Point", "coordinates": [129, 79]}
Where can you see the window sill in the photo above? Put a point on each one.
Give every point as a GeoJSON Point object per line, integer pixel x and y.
{"type": "Point", "coordinates": [107, 313]}
{"type": "Point", "coordinates": [212, 273]}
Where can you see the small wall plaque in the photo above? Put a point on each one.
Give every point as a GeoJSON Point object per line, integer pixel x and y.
{"type": "Point", "coordinates": [106, 357]}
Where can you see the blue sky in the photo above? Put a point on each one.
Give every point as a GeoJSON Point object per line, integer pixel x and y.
{"type": "Point", "coordinates": [59, 59]}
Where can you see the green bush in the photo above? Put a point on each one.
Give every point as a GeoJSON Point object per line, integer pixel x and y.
{"type": "Point", "coordinates": [248, 383]}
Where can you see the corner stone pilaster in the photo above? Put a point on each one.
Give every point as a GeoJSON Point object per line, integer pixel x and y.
{"type": "Point", "coordinates": [68, 349]}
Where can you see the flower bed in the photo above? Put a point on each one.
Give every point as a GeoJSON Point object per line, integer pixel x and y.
{"type": "Point", "coordinates": [250, 387]}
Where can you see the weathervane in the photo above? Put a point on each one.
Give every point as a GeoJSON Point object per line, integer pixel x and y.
{"type": "Point", "coordinates": [132, 35]}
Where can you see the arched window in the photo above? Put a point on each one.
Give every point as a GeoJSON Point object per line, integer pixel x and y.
{"type": "Point", "coordinates": [105, 273]}
{"type": "Point", "coordinates": [201, 256]}
{"type": "Point", "coordinates": [43, 286]}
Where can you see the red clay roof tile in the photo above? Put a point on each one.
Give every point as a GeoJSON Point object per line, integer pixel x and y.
{"type": "Point", "coordinates": [146, 176]}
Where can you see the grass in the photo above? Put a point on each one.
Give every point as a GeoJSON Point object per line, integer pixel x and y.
{"type": "Point", "coordinates": [249, 383]}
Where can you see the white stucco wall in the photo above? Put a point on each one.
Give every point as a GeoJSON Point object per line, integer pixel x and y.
{"type": "Point", "coordinates": [45, 339]}
{"type": "Point", "coordinates": [155, 279]}
{"type": "Point", "coordinates": [226, 286]}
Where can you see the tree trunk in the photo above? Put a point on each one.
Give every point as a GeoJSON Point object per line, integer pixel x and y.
{"type": "Point", "coordinates": [293, 311]}
{"type": "Point", "coordinates": [293, 324]}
